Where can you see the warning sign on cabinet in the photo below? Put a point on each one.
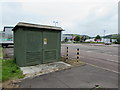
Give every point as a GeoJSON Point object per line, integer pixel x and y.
{"type": "Point", "coordinates": [45, 40]}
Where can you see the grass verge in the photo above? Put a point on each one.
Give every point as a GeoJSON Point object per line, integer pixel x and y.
{"type": "Point", "coordinates": [0, 70]}
{"type": "Point", "coordinates": [10, 70]}
{"type": "Point", "coordinates": [1, 52]}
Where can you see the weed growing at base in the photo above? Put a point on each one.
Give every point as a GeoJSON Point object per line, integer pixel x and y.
{"type": "Point", "coordinates": [10, 70]}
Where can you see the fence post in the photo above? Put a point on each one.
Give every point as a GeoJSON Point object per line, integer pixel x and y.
{"type": "Point", "coordinates": [67, 53]}
{"type": "Point", "coordinates": [78, 55]}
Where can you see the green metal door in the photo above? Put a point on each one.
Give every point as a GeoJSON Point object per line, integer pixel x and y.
{"type": "Point", "coordinates": [50, 41]}
{"type": "Point", "coordinates": [33, 47]}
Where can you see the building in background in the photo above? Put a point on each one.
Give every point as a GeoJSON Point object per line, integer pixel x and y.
{"type": "Point", "coordinates": [102, 40]}
{"type": "Point", "coordinates": [69, 36]}
{"type": "Point", "coordinates": [7, 34]}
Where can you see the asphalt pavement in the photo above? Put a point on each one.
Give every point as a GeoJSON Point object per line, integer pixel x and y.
{"type": "Point", "coordinates": [105, 56]}
{"type": "Point", "coordinates": [86, 76]}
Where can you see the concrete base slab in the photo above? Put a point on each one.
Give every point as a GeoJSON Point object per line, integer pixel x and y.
{"type": "Point", "coordinates": [31, 71]}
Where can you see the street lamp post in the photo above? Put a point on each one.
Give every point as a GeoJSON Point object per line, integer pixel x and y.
{"type": "Point", "coordinates": [105, 26]}
{"type": "Point", "coordinates": [55, 22]}
{"type": "Point", "coordinates": [104, 35]}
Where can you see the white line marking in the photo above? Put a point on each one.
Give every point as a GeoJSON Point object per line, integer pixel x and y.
{"type": "Point", "coordinates": [112, 60]}
{"type": "Point", "coordinates": [88, 51]}
{"type": "Point", "coordinates": [102, 68]}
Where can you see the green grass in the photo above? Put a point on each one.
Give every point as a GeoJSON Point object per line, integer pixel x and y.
{"type": "Point", "coordinates": [10, 70]}
{"type": "Point", "coordinates": [1, 52]}
{"type": "Point", "coordinates": [0, 70]}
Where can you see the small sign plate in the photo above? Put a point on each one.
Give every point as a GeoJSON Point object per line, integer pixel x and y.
{"type": "Point", "coordinates": [45, 40]}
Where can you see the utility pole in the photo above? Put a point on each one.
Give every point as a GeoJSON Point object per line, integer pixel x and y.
{"type": "Point", "coordinates": [104, 35]}
{"type": "Point", "coordinates": [55, 22]}
{"type": "Point", "coordinates": [104, 32]}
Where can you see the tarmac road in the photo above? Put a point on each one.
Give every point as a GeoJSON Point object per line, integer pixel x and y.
{"type": "Point", "coordinates": [103, 56]}
{"type": "Point", "coordinates": [86, 77]}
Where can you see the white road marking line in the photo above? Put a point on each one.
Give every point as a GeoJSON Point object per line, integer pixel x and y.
{"type": "Point", "coordinates": [112, 60]}
{"type": "Point", "coordinates": [100, 53]}
{"type": "Point", "coordinates": [102, 68]}
{"type": "Point", "coordinates": [88, 51]}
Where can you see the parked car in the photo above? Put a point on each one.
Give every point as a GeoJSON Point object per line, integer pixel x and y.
{"type": "Point", "coordinates": [107, 43]}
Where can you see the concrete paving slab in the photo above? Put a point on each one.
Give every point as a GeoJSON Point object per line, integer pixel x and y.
{"type": "Point", "coordinates": [30, 71]}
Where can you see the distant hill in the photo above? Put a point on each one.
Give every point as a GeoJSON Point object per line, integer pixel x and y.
{"type": "Point", "coordinates": [113, 36]}
{"type": "Point", "coordinates": [77, 35]}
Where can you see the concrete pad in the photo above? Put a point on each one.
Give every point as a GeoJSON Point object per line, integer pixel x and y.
{"type": "Point", "coordinates": [31, 71]}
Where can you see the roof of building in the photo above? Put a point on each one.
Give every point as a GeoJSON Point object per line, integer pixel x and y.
{"type": "Point", "coordinates": [23, 24]}
{"type": "Point", "coordinates": [7, 27]}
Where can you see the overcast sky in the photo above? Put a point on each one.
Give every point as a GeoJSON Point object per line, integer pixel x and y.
{"type": "Point", "coordinates": [88, 17]}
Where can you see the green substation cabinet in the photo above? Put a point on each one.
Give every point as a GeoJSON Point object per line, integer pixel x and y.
{"type": "Point", "coordinates": [36, 44]}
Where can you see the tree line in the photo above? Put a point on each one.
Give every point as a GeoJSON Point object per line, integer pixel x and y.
{"type": "Point", "coordinates": [79, 38]}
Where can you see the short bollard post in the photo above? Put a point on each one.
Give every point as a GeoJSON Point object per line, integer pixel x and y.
{"type": "Point", "coordinates": [67, 53]}
{"type": "Point", "coordinates": [78, 55]}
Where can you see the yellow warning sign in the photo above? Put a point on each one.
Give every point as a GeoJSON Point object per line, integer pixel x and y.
{"type": "Point", "coordinates": [45, 40]}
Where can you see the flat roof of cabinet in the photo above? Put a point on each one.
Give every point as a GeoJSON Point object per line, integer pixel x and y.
{"type": "Point", "coordinates": [22, 24]}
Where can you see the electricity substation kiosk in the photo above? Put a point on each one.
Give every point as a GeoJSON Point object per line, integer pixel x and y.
{"type": "Point", "coordinates": [36, 44]}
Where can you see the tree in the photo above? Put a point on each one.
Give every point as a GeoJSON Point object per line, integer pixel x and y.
{"type": "Point", "coordinates": [66, 40]}
{"type": "Point", "coordinates": [97, 38]}
{"type": "Point", "coordinates": [83, 38]}
{"type": "Point", "coordinates": [118, 39]}
{"type": "Point", "coordinates": [77, 38]}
